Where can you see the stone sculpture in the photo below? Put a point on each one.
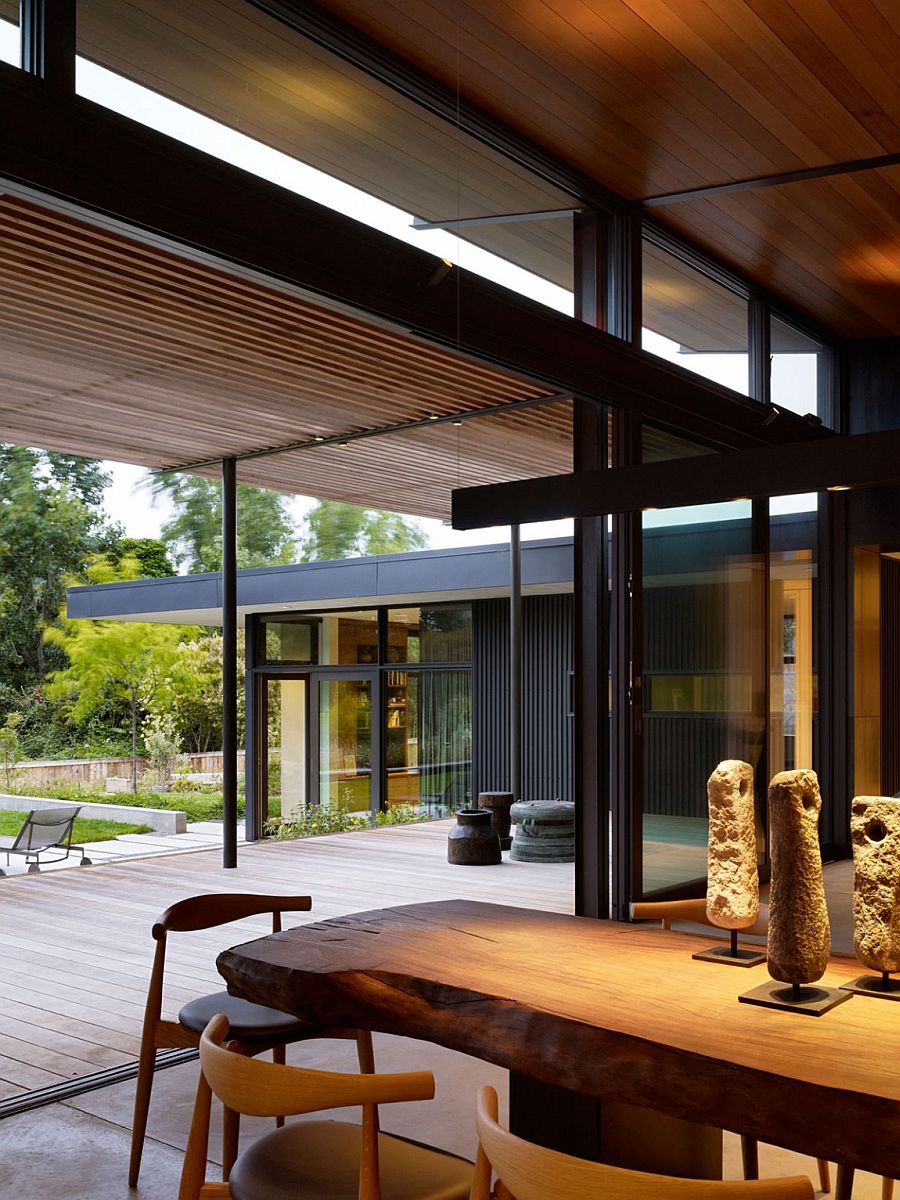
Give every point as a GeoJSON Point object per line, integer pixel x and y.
{"type": "Point", "coordinates": [732, 895]}
{"type": "Point", "coordinates": [875, 833]}
{"type": "Point", "coordinates": [799, 934]}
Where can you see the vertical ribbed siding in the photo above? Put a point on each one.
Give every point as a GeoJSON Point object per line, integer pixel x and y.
{"type": "Point", "coordinates": [890, 676]}
{"type": "Point", "coordinates": [547, 735]}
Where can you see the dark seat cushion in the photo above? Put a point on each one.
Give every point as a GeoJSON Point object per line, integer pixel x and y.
{"type": "Point", "coordinates": [246, 1022]}
{"type": "Point", "coordinates": [319, 1160]}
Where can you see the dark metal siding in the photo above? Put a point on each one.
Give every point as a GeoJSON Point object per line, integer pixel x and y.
{"type": "Point", "coordinates": [547, 733]}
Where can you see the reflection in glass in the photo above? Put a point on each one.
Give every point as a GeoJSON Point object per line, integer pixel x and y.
{"type": "Point", "coordinates": [239, 84]}
{"type": "Point", "coordinates": [792, 680]}
{"type": "Point", "coordinates": [429, 739]}
{"type": "Point", "coordinates": [9, 32]}
{"type": "Point", "coordinates": [430, 633]}
{"type": "Point", "coordinates": [286, 775]}
{"type": "Point", "coordinates": [693, 321]}
{"type": "Point", "coordinates": [345, 744]}
{"type": "Point", "coordinates": [329, 639]}
{"type": "Point", "coordinates": [797, 369]}
{"type": "Point", "coordinates": [703, 683]}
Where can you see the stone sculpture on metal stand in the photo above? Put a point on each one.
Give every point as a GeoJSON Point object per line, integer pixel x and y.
{"type": "Point", "coordinates": [799, 933]}
{"type": "Point", "coordinates": [732, 894]}
{"type": "Point", "coordinates": [875, 834]}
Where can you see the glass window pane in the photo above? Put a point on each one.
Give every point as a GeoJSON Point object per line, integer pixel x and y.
{"type": "Point", "coordinates": [691, 320]}
{"type": "Point", "coordinates": [798, 374]}
{"type": "Point", "coordinates": [793, 682]}
{"type": "Point", "coordinates": [329, 639]}
{"type": "Point", "coordinates": [703, 678]}
{"type": "Point", "coordinates": [428, 740]}
{"type": "Point", "coordinates": [9, 32]}
{"type": "Point", "coordinates": [286, 778]}
{"type": "Point", "coordinates": [345, 744]}
{"type": "Point", "coordinates": [241, 85]}
{"type": "Point", "coordinates": [431, 633]}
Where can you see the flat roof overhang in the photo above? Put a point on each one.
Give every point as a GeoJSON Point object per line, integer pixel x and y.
{"type": "Point", "coordinates": [476, 572]}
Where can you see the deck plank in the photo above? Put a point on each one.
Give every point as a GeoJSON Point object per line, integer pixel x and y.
{"type": "Point", "coordinates": [77, 950]}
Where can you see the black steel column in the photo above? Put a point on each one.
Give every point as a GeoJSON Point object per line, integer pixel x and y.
{"type": "Point", "coordinates": [229, 663]}
{"type": "Point", "coordinates": [515, 662]}
{"type": "Point", "coordinates": [593, 236]}
{"type": "Point", "coordinates": [47, 40]}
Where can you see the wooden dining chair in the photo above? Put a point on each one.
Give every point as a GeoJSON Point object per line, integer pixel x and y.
{"type": "Point", "coordinates": [313, 1158]}
{"type": "Point", "coordinates": [530, 1172]}
{"type": "Point", "coordinates": [254, 1027]}
{"type": "Point", "coordinates": [667, 911]}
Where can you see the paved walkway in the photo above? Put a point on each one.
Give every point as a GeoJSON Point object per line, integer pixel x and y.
{"type": "Point", "coordinates": [200, 835]}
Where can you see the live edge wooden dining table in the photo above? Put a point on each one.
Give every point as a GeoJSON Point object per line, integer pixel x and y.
{"type": "Point", "coordinates": [611, 1011]}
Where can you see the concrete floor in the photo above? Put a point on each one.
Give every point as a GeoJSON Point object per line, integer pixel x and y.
{"type": "Point", "coordinates": [79, 1150]}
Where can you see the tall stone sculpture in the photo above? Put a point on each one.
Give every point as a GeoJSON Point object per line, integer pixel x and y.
{"type": "Point", "coordinates": [732, 894]}
{"type": "Point", "coordinates": [875, 834]}
{"type": "Point", "coordinates": [799, 933]}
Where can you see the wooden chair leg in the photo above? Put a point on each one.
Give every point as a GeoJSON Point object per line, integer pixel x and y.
{"type": "Point", "coordinates": [844, 1186]}
{"type": "Point", "coordinates": [231, 1130]}
{"type": "Point", "coordinates": [143, 1088]}
{"type": "Point", "coordinates": [887, 1188]}
{"type": "Point", "coordinates": [824, 1174]}
{"type": "Point", "coordinates": [278, 1056]}
{"type": "Point", "coordinates": [750, 1156]}
{"type": "Point", "coordinates": [365, 1052]}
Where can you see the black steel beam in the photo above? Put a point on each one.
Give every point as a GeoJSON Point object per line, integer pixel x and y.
{"type": "Point", "coordinates": [102, 163]}
{"type": "Point", "coordinates": [849, 167]}
{"type": "Point", "coordinates": [229, 664]}
{"type": "Point", "coordinates": [863, 460]}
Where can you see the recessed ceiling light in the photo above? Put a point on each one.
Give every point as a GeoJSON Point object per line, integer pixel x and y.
{"type": "Point", "coordinates": [319, 438]}
{"type": "Point", "coordinates": [839, 487]}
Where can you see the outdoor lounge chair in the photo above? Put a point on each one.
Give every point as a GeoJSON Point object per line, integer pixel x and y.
{"type": "Point", "coordinates": [46, 836]}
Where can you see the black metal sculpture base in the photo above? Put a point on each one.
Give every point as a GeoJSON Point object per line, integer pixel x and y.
{"type": "Point", "coordinates": [796, 997]}
{"type": "Point", "coordinates": [731, 954]}
{"type": "Point", "coordinates": [874, 985]}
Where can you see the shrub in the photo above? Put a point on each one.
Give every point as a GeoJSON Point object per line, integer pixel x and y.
{"type": "Point", "coordinates": [318, 819]}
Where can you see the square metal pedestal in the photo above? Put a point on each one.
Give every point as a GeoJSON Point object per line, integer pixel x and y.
{"type": "Point", "coordinates": [809, 998]}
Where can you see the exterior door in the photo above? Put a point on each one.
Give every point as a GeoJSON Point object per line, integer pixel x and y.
{"type": "Point", "coordinates": [345, 741]}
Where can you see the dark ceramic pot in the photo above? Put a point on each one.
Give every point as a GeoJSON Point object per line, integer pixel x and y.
{"type": "Point", "coordinates": [473, 842]}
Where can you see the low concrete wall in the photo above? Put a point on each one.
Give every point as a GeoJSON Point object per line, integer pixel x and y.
{"type": "Point", "coordinates": [160, 820]}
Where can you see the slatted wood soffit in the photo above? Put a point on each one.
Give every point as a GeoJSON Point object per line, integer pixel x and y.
{"type": "Point", "coordinates": [652, 98]}
{"type": "Point", "coordinates": [158, 360]}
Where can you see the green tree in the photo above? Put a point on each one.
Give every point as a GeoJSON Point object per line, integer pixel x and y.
{"type": "Point", "coordinates": [264, 526]}
{"type": "Point", "coordinates": [131, 663]}
{"type": "Point", "coordinates": [338, 530]}
{"type": "Point", "coordinates": [10, 749]}
{"type": "Point", "coordinates": [151, 553]}
{"type": "Point", "coordinates": [51, 524]}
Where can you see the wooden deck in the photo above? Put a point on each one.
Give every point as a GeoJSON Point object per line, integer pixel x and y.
{"type": "Point", "coordinates": [75, 945]}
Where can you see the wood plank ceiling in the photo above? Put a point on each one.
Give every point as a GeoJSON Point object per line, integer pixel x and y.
{"type": "Point", "coordinates": [652, 97]}
{"type": "Point", "coordinates": [163, 361]}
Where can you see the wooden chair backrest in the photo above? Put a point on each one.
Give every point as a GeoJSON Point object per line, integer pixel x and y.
{"type": "Point", "coordinates": [219, 908]}
{"type": "Point", "coordinates": [530, 1172]}
{"type": "Point", "coordinates": [263, 1089]}
{"type": "Point", "coordinates": [254, 1087]}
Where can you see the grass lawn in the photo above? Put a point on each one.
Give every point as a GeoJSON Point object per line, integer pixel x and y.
{"type": "Point", "coordinates": [87, 829]}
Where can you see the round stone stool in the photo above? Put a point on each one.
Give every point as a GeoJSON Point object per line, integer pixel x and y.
{"type": "Point", "coordinates": [545, 831]}
{"type": "Point", "coordinates": [473, 841]}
